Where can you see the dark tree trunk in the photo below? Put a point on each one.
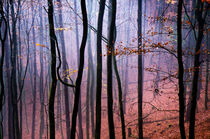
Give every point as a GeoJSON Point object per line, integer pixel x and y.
{"type": "Point", "coordinates": [111, 37]}
{"type": "Point", "coordinates": [120, 98]}
{"type": "Point", "coordinates": [99, 70]}
{"type": "Point", "coordinates": [3, 37]}
{"type": "Point", "coordinates": [140, 71]}
{"type": "Point", "coordinates": [200, 17]}
{"type": "Point", "coordinates": [181, 70]}
{"type": "Point", "coordinates": [53, 70]}
{"type": "Point", "coordinates": [80, 69]}
{"type": "Point", "coordinates": [192, 41]}
{"type": "Point", "coordinates": [78, 59]}
{"type": "Point", "coordinates": [14, 93]}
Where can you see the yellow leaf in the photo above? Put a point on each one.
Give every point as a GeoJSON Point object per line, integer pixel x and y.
{"type": "Point", "coordinates": [170, 1]}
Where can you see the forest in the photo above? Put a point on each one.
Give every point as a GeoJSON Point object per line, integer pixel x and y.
{"type": "Point", "coordinates": [104, 69]}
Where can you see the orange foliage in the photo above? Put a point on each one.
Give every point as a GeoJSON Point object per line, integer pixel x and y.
{"type": "Point", "coordinates": [208, 1]}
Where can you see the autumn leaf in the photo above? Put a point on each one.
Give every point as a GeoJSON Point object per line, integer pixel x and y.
{"type": "Point", "coordinates": [37, 44]}
{"type": "Point", "coordinates": [170, 1]}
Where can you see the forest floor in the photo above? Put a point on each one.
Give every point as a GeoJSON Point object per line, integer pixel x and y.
{"type": "Point", "coordinates": [170, 128]}
{"type": "Point", "coordinates": [160, 116]}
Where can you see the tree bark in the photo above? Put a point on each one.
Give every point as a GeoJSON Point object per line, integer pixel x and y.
{"type": "Point", "coordinates": [181, 70]}
{"type": "Point", "coordinates": [3, 37]}
{"type": "Point", "coordinates": [200, 17]}
{"type": "Point", "coordinates": [99, 70]}
{"type": "Point", "coordinates": [140, 71]}
{"type": "Point", "coordinates": [80, 69]}
{"type": "Point", "coordinates": [53, 70]}
{"type": "Point", "coordinates": [13, 43]}
{"type": "Point", "coordinates": [111, 37]}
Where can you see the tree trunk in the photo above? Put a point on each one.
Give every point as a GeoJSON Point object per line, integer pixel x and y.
{"type": "Point", "coordinates": [3, 37]}
{"type": "Point", "coordinates": [9, 89]}
{"type": "Point", "coordinates": [80, 69]}
{"type": "Point", "coordinates": [140, 71]}
{"type": "Point", "coordinates": [53, 70]}
{"type": "Point", "coordinates": [78, 59]}
{"type": "Point", "coordinates": [111, 37]}
{"type": "Point", "coordinates": [201, 20]}
{"type": "Point", "coordinates": [99, 70]}
{"type": "Point", "coordinates": [181, 70]}
{"type": "Point", "coordinates": [120, 98]}
{"type": "Point", "coordinates": [13, 42]}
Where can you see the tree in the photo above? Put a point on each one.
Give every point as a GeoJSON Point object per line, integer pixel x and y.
{"type": "Point", "coordinates": [111, 37]}
{"type": "Point", "coordinates": [120, 97]}
{"type": "Point", "coordinates": [181, 70]}
{"type": "Point", "coordinates": [13, 78]}
{"type": "Point", "coordinates": [140, 71]}
{"type": "Point", "coordinates": [3, 35]}
{"type": "Point", "coordinates": [99, 70]}
{"type": "Point", "coordinates": [200, 15]}
{"type": "Point", "coordinates": [78, 58]}
{"type": "Point", "coordinates": [53, 70]}
{"type": "Point", "coordinates": [80, 69]}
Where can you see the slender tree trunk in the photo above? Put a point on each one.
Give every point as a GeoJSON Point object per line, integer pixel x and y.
{"type": "Point", "coordinates": [181, 70]}
{"type": "Point", "coordinates": [201, 21]}
{"type": "Point", "coordinates": [78, 59]}
{"type": "Point", "coordinates": [140, 71]}
{"type": "Point", "coordinates": [120, 98]}
{"type": "Point", "coordinates": [80, 69]}
{"type": "Point", "coordinates": [53, 70]}
{"type": "Point", "coordinates": [99, 70]}
{"type": "Point", "coordinates": [3, 28]}
{"type": "Point", "coordinates": [14, 92]}
{"type": "Point", "coordinates": [9, 89]}
{"type": "Point", "coordinates": [111, 37]}
{"type": "Point", "coordinates": [193, 41]}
